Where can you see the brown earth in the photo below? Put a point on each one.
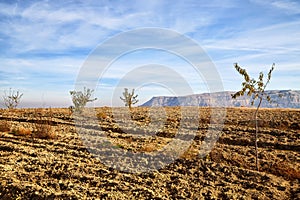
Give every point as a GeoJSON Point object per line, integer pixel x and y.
{"type": "Point", "coordinates": [43, 156]}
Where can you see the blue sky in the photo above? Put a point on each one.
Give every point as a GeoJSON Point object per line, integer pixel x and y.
{"type": "Point", "coordinates": [44, 44]}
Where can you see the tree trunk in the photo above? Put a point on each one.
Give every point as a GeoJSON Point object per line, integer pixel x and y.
{"type": "Point", "coordinates": [256, 134]}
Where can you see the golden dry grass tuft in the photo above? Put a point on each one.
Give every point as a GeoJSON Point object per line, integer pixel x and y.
{"type": "Point", "coordinates": [43, 128]}
{"type": "Point", "coordinates": [148, 148]}
{"type": "Point", "coordinates": [191, 153]}
{"type": "Point", "coordinates": [44, 131]}
{"type": "Point", "coordinates": [102, 115]}
{"type": "Point", "coordinates": [21, 131]}
{"type": "Point", "coordinates": [286, 170]}
{"type": "Point", "coordinates": [4, 126]}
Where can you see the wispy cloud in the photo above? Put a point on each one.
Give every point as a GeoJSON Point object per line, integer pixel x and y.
{"type": "Point", "coordinates": [43, 44]}
{"type": "Point", "coordinates": [267, 39]}
{"type": "Point", "coordinates": [289, 7]}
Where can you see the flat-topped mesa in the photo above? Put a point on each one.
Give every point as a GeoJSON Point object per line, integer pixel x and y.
{"type": "Point", "coordinates": [280, 98]}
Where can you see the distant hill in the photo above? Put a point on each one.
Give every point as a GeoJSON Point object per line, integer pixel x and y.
{"type": "Point", "coordinates": [281, 98]}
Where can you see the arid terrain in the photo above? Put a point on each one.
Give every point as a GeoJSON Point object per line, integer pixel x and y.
{"type": "Point", "coordinates": [52, 154]}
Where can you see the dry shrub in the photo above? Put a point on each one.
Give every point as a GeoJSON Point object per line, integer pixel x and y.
{"type": "Point", "coordinates": [4, 126]}
{"type": "Point", "coordinates": [129, 140]}
{"type": "Point", "coordinates": [21, 131]}
{"type": "Point", "coordinates": [102, 115]}
{"type": "Point", "coordinates": [148, 148]}
{"type": "Point", "coordinates": [286, 170]}
{"type": "Point", "coordinates": [216, 155]}
{"type": "Point", "coordinates": [43, 128]}
{"type": "Point", "coordinates": [191, 153]}
{"type": "Point", "coordinates": [44, 131]}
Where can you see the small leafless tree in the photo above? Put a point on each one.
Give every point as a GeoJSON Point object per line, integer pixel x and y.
{"type": "Point", "coordinates": [81, 98]}
{"type": "Point", "coordinates": [256, 90]}
{"type": "Point", "coordinates": [129, 98]}
{"type": "Point", "coordinates": [12, 98]}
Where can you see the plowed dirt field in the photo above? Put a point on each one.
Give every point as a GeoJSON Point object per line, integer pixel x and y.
{"type": "Point", "coordinates": [66, 165]}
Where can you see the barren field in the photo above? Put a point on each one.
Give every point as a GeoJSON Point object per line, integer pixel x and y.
{"type": "Point", "coordinates": [52, 154]}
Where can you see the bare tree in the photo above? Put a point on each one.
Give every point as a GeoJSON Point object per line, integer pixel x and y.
{"type": "Point", "coordinates": [129, 98]}
{"type": "Point", "coordinates": [256, 90]}
{"type": "Point", "coordinates": [81, 98]}
{"type": "Point", "coordinates": [12, 98]}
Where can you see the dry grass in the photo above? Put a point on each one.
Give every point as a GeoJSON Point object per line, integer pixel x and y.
{"type": "Point", "coordinates": [44, 131]}
{"type": "Point", "coordinates": [4, 126]}
{"type": "Point", "coordinates": [148, 148]}
{"type": "Point", "coordinates": [21, 131]}
{"type": "Point", "coordinates": [191, 153]}
{"type": "Point", "coordinates": [286, 170]}
{"type": "Point", "coordinates": [43, 128]}
{"type": "Point", "coordinates": [102, 115]}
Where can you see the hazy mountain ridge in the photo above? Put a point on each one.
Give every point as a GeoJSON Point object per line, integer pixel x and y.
{"type": "Point", "coordinates": [280, 98]}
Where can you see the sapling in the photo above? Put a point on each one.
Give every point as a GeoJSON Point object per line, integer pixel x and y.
{"type": "Point", "coordinates": [129, 98]}
{"type": "Point", "coordinates": [12, 99]}
{"type": "Point", "coordinates": [81, 98]}
{"type": "Point", "coordinates": [255, 89]}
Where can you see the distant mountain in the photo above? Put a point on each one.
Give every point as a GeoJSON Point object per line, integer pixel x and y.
{"type": "Point", "coordinates": [281, 99]}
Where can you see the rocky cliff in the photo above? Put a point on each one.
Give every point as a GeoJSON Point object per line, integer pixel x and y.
{"type": "Point", "coordinates": [280, 98]}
